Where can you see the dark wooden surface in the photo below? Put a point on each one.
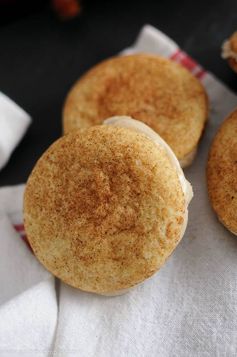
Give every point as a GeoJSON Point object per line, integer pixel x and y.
{"type": "Point", "coordinates": [41, 57]}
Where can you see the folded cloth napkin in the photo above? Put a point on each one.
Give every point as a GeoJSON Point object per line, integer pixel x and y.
{"type": "Point", "coordinates": [28, 304]}
{"type": "Point", "coordinates": [14, 122]}
{"type": "Point", "coordinates": [188, 309]}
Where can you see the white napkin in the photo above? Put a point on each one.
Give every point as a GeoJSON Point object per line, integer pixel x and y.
{"type": "Point", "coordinates": [189, 308]}
{"type": "Point", "coordinates": [14, 122]}
{"type": "Point", "coordinates": [28, 305]}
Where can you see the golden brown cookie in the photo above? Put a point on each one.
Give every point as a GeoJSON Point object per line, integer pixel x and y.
{"type": "Point", "coordinates": [229, 51]}
{"type": "Point", "coordinates": [155, 90]}
{"type": "Point", "coordinates": [104, 207]}
{"type": "Point", "coordinates": [222, 173]}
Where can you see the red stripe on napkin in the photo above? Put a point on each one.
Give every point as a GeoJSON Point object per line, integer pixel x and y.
{"type": "Point", "coordinates": [19, 227]}
{"type": "Point", "coordinates": [21, 230]}
{"type": "Point", "coordinates": [187, 62]}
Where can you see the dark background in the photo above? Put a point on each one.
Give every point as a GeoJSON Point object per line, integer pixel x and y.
{"type": "Point", "coordinates": [41, 56]}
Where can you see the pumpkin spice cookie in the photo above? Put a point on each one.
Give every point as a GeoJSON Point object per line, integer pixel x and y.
{"type": "Point", "coordinates": [149, 88]}
{"type": "Point", "coordinates": [105, 206]}
{"type": "Point", "coordinates": [222, 173]}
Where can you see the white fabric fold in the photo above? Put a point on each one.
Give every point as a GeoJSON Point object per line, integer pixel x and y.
{"type": "Point", "coordinates": [14, 122]}
{"type": "Point", "coordinates": [28, 304]}
{"type": "Point", "coordinates": [27, 322]}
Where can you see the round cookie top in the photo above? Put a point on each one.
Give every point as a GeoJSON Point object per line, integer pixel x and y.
{"type": "Point", "coordinates": [155, 90]}
{"type": "Point", "coordinates": [104, 208]}
{"type": "Point", "coordinates": [222, 173]}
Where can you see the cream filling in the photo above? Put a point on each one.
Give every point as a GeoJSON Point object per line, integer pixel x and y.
{"type": "Point", "coordinates": [128, 122]}
{"type": "Point", "coordinates": [227, 52]}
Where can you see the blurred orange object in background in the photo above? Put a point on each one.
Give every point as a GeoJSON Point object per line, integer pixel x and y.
{"type": "Point", "coordinates": [66, 9]}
